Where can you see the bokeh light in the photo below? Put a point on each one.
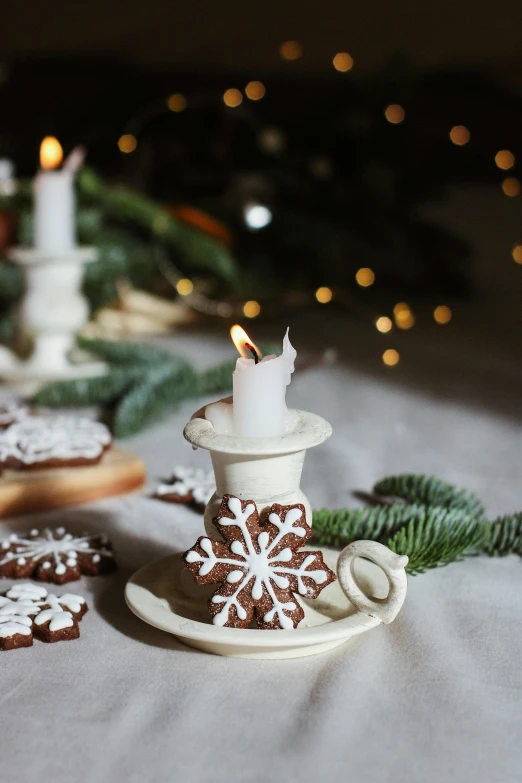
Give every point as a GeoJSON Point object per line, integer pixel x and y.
{"type": "Point", "coordinates": [400, 306]}
{"type": "Point", "coordinates": [365, 276]}
{"type": "Point", "coordinates": [324, 294]}
{"type": "Point", "coordinates": [127, 143]}
{"type": "Point", "coordinates": [517, 254]}
{"type": "Point", "coordinates": [184, 287]}
{"type": "Point", "coordinates": [505, 159]}
{"type": "Point", "coordinates": [177, 102]}
{"type": "Point", "coordinates": [459, 135]}
{"type": "Point", "coordinates": [442, 314]}
{"type": "Point", "coordinates": [343, 62]}
{"type": "Point", "coordinates": [383, 324]}
{"type": "Point", "coordinates": [394, 113]}
{"type": "Point", "coordinates": [232, 98]}
{"type": "Point", "coordinates": [511, 186]}
{"type": "Point", "coordinates": [390, 357]}
{"type": "Point", "coordinates": [404, 319]}
{"type": "Point", "coordinates": [291, 50]}
{"type": "Point", "coordinates": [255, 91]}
{"type": "Point", "coordinates": [251, 309]}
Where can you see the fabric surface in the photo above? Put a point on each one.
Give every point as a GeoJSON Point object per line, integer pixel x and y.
{"type": "Point", "coordinates": [436, 696]}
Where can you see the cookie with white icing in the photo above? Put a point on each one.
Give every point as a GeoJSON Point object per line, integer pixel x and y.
{"type": "Point", "coordinates": [40, 442]}
{"type": "Point", "coordinates": [9, 414]}
{"type": "Point", "coordinates": [28, 611]}
{"type": "Point", "coordinates": [259, 566]}
{"type": "Point", "coordinates": [191, 486]}
{"type": "Point", "coordinates": [55, 556]}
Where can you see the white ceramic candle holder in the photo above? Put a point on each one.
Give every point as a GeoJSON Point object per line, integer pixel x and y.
{"type": "Point", "coordinates": [52, 311]}
{"type": "Point", "coordinates": [371, 580]}
{"type": "Point", "coordinates": [265, 470]}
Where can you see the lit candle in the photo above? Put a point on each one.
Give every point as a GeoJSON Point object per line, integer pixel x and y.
{"type": "Point", "coordinates": [54, 207]}
{"type": "Point", "coordinates": [258, 407]}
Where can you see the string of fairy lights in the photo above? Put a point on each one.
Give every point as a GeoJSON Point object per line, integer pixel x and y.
{"type": "Point", "coordinates": [258, 216]}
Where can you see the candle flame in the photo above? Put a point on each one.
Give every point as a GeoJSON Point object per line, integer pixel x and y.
{"type": "Point", "coordinates": [51, 153]}
{"type": "Point", "coordinates": [241, 339]}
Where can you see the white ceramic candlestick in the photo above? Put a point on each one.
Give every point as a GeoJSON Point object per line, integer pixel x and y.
{"type": "Point", "coordinates": [268, 470]}
{"type": "Point", "coordinates": [52, 311]}
{"type": "Point", "coordinates": [265, 470]}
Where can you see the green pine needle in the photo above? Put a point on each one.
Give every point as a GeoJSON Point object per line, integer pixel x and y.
{"type": "Point", "coordinates": [505, 536]}
{"type": "Point", "coordinates": [218, 379]}
{"type": "Point", "coordinates": [430, 491]}
{"type": "Point", "coordinates": [83, 392]}
{"type": "Point", "coordinates": [339, 527]}
{"type": "Point", "coordinates": [437, 537]}
{"type": "Point", "coordinates": [122, 353]}
{"type": "Point", "coordinates": [154, 398]}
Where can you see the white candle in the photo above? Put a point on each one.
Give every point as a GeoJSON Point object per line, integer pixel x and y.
{"type": "Point", "coordinates": [258, 407]}
{"type": "Point", "coordinates": [54, 203]}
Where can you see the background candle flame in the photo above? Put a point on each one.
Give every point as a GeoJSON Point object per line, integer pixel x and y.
{"type": "Point", "coordinates": [240, 338]}
{"type": "Point", "coordinates": [51, 153]}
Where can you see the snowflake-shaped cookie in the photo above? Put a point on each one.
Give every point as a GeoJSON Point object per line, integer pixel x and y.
{"type": "Point", "coordinates": [188, 485]}
{"type": "Point", "coordinates": [28, 611]}
{"type": "Point", "coordinates": [55, 556]}
{"type": "Point", "coordinates": [52, 441]}
{"type": "Point", "coordinates": [259, 565]}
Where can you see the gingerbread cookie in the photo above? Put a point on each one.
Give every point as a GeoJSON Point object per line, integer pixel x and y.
{"type": "Point", "coordinates": [28, 612]}
{"type": "Point", "coordinates": [37, 442]}
{"type": "Point", "coordinates": [192, 486]}
{"type": "Point", "coordinates": [259, 566]}
{"type": "Point", "coordinates": [9, 414]}
{"type": "Point", "coordinates": [55, 556]}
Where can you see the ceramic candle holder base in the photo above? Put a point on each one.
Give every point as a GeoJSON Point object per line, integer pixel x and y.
{"type": "Point", "coordinates": [52, 311]}
{"type": "Point", "coordinates": [265, 470]}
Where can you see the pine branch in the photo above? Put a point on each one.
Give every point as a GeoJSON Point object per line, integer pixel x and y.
{"type": "Point", "coordinates": [340, 527]}
{"type": "Point", "coordinates": [155, 398]}
{"type": "Point", "coordinates": [124, 353]}
{"type": "Point", "coordinates": [437, 537]}
{"type": "Point", "coordinates": [83, 392]}
{"type": "Point", "coordinates": [428, 490]}
{"type": "Point", "coordinates": [217, 379]}
{"type": "Point", "coordinates": [505, 536]}
{"type": "Point", "coordinates": [121, 204]}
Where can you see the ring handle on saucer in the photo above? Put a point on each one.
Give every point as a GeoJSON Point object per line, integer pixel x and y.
{"type": "Point", "coordinates": [393, 565]}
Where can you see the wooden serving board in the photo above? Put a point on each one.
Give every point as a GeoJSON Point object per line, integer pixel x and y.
{"type": "Point", "coordinates": [24, 491]}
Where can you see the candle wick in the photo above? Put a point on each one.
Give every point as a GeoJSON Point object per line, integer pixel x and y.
{"type": "Point", "coordinates": [253, 351]}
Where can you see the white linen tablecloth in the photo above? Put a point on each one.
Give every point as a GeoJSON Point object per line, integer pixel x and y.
{"type": "Point", "coordinates": [436, 696]}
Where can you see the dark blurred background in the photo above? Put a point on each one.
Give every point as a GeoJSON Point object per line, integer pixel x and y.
{"type": "Point", "coordinates": [358, 158]}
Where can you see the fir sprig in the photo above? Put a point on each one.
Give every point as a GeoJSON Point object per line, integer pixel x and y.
{"type": "Point", "coordinates": [144, 384]}
{"type": "Point", "coordinates": [448, 525]}
{"type": "Point", "coordinates": [438, 536]}
{"type": "Point", "coordinates": [505, 536]}
{"type": "Point", "coordinates": [417, 488]}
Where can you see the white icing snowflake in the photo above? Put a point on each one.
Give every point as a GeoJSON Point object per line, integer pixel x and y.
{"type": "Point", "coordinates": [199, 484]}
{"type": "Point", "coordinates": [27, 604]}
{"type": "Point", "coordinates": [53, 552]}
{"type": "Point", "coordinates": [37, 439]}
{"type": "Point", "coordinates": [259, 565]}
